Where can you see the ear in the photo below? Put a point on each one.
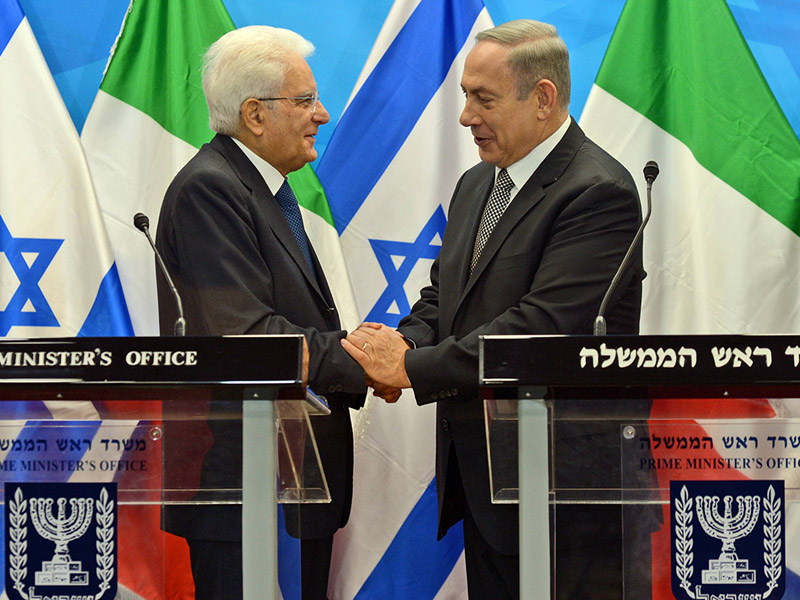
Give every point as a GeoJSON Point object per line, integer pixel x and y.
{"type": "Point", "coordinates": [546, 98]}
{"type": "Point", "coordinates": [252, 116]}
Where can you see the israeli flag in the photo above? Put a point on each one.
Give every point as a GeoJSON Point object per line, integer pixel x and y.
{"type": "Point", "coordinates": [389, 171]}
{"type": "Point", "coordinates": [57, 277]}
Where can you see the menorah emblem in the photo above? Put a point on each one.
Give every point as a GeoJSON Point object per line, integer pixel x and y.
{"type": "Point", "coordinates": [727, 528]}
{"type": "Point", "coordinates": [61, 529]}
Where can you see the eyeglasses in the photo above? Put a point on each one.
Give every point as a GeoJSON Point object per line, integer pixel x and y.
{"type": "Point", "coordinates": [307, 102]}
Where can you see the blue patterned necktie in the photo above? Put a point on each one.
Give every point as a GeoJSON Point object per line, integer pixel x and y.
{"type": "Point", "coordinates": [291, 211]}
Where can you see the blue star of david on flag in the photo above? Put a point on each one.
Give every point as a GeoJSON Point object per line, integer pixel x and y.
{"type": "Point", "coordinates": [28, 306]}
{"type": "Point", "coordinates": [394, 296]}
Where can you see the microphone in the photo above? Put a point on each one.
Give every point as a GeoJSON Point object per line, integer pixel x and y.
{"type": "Point", "coordinates": [650, 174]}
{"type": "Point", "coordinates": [142, 223]}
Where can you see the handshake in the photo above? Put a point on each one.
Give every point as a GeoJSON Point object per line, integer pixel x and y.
{"type": "Point", "coordinates": [380, 350]}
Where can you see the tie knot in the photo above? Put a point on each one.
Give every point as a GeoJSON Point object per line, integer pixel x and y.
{"type": "Point", "coordinates": [285, 195]}
{"type": "Point", "coordinates": [503, 180]}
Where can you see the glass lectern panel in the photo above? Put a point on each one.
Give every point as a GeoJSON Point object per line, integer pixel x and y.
{"type": "Point", "coordinates": [667, 498]}
{"type": "Point", "coordinates": [583, 446]}
{"type": "Point", "coordinates": [502, 434]}
{"type": "Point", "coordinates": [201, 432]}
{"type": "Point", "coordinates": [301, 479]}
{"type": "Point", "coordinates": [115, 451]}
{"type": "Point", "coordinates": [144, 476]}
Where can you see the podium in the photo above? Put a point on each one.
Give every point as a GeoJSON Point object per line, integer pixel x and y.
{"type": "Point", "coordinates": [685, 448]}
{"type": "Point", "coordinates": [127, 423]}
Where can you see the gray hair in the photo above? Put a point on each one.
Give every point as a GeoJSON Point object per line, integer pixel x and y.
{"type": "Point", "coordinates": [537, 52]}
{"type": "Point", "coordinates": [250, 62]}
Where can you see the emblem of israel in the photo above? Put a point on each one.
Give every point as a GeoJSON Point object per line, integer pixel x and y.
{"type": "Point", "coordinates": [738, 546]}
{"type": "Point", "coordinates": [60, 541]}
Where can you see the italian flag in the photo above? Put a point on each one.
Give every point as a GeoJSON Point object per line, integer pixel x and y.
{"type": "Point", "coordinates": [148, 119]}
{"type": "Point", "coordinates": [680, 86]}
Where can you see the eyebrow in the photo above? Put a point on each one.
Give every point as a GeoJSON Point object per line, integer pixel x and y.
{"type": "Point", "coordinates": [303, 94]}
{"type": "Point", "coordinates": [479, 91]}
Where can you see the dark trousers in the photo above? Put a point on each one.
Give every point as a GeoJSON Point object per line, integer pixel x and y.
{"type": "Point", "coordinates": [595, 559]}
{"type": "Point", "coordinates": [588, 557]}
{"type": "Point", "coordinates": [490, 574]}
{"type": "Point", "coordinates": [588, 552]}
{"type": "Point", "coordinates": [217, 569]}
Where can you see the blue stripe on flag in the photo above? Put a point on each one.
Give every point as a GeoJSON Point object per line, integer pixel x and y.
{"type": "Point", "coordinates": [109, 314]}
{"type": "Point", "coordinates": [388, 105]}
{"type": "Point", "coordinates": [792, 589]}
{"type": "Point", "coordinates": [22, 410]}
{"type": "Point", "coordinates": [11, 16]}
{"type": "Point", "coordinates": [416, 549]}
{"type": "Point", "coordinates": [289, 575]}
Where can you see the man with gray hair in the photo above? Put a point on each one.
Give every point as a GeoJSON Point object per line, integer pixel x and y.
{"type": "Point", "coordinates": [535, 234]}
{"type": "Point", "coordinates": [232, 237]}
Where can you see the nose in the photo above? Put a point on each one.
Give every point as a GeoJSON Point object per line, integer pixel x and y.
{"type": "Point", "coordinates": [468, 116]}
{"type": "Point", "coordinates": [321, 115]}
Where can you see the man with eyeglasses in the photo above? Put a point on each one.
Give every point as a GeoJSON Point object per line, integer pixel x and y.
{"type": "Point", "coordinates": [232, 237]}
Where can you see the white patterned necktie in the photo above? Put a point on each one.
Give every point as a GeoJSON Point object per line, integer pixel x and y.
{"type": "Point", "coordinates": [495, 207]}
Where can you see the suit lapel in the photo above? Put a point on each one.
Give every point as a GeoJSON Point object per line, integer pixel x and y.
{"type": "Point", "coordinates": [523, 202]}
{"type": "Point", "coordinates": [322, 286]}
{"type": "Point", "coordinates": [465, 216]}
{"type": "Point", "coordinates": [475, 207]}
{"type": "Point", "coordinates": [252, 179]}
{"type": "Point", "coordinates": [526, 199]}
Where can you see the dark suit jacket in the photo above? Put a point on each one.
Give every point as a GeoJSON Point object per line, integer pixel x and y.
{"type": "Point", "coordinates": [544, 270]}
{"type": "Point", "coordinates": [239, 270]}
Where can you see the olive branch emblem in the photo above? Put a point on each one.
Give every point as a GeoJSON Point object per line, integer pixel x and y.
{"type": "Point", "coordinates": [18, 543]}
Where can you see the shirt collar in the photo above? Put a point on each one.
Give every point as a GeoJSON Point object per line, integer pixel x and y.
{"type": "Point", "coordinates": [272, 177]}
{"type": "Point", "coordinates": [526, 166]}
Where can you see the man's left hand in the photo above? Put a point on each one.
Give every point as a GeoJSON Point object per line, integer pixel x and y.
{"type": "Point", "coordinates": [380, 351]}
